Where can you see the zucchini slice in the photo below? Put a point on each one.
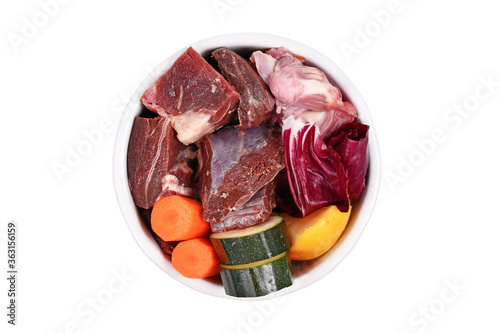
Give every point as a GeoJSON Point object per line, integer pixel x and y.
{"type": "Point", "coordinates": [259, 242]}
{"type": "Point", "coordinates": [259, 278]}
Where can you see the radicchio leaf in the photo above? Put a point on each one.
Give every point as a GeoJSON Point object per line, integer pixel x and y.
{"type": "Point", "coordinates": [315, 173]}
{"type": "Point", "coordinates": [351, 143]}
{"type": "Point", "coordinates": [284, 197]}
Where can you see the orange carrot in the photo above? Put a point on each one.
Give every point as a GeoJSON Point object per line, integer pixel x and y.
{"type": "Point", "coordinates": [195, 258]}
{"type": "Point", "coordinates": [177, 218]}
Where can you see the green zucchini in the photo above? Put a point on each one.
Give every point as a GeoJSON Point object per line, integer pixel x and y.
{"type": "Point", "coordinates": [258, 278]}
{"type": "Point", "coordinates": [259, 242]}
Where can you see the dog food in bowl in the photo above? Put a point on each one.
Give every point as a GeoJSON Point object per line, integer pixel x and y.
{"type": "Point", "coordinates": [246, 166]}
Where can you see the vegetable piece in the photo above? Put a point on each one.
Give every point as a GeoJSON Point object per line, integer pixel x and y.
{"type": "Point", "coordinates": [351, 143]}
{"type": "Point", "coordinates": [260, 242]}
{"type": "Point", "coordinates": [315, 234]}
{"type": "Point", "coordinates": [195, 258]}
{"type": "Point", "coordinates": [177, 218]}
{"type": "Point", "coordinates": [259, 278]}
{"type": "Point", "coordinates": [315, 173]}
{"type": "Point", "coordinates": [166, 247]}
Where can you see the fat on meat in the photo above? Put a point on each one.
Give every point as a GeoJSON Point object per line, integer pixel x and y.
{"type": "Point", "coordinates": [196, 97]}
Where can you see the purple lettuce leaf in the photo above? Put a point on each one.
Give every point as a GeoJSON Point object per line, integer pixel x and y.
{"type": "Point", "coordinates": [315, 173]}
{"type": "Point", "coordinates": [351, 143]}
{"type": "Point", "coordinates": [284, 197]}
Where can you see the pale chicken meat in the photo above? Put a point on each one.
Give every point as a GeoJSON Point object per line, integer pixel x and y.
{"type": "Point", "coordinates": [303, 91]}
{"type": "Point", "coordinates": [328, 122]}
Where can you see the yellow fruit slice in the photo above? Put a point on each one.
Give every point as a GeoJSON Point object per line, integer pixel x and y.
{"type": "Point", "coordinates": [315, 234]}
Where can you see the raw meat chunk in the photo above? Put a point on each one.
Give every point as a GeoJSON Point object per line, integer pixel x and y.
{"type": "Point", "coordinates": [157, 163]}
{"type": "Point", "coordinates": [328, 122]}
{"type": "Point", "coordinates": [295, 84]}
{"type": "Point", "coordinates": [265, 65]}
{"type": "Point", "coordinates": [254, 211]}
{"type": "Point", "coordinates": [182, 173]}
{"type": "Point", "coordinates": [256, 102]}
{"type": "Point", "coordinates": [234, 165]}
{"type": "Point", "coordinates": [303, 91]}
{"type": "Point", "coordinates": [194, 95]}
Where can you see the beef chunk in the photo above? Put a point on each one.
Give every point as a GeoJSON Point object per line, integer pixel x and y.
{"type": "Point", "coordinates": [181, 178]}
{"type": "Point", "coordinates": [157, 163]}
{"type": "Point", "coordinates": [194, 95]}
{"type": "Point", "coordinates": [234, 165]}
{"type": "Point", "coordinates": [256, 102]}
{"type": "Point", "coordinates": [166, 247]}
{"type": "Point", "coordinates": [254, 211]}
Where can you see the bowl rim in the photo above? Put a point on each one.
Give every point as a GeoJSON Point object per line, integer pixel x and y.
{"type": "Point", "coordinates": [141, 234]}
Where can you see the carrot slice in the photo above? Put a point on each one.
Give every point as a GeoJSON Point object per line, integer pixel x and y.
{"type": "Point", "coordinates": [177, 218]}
{"type": "Point", "coordinates": [195, 258]}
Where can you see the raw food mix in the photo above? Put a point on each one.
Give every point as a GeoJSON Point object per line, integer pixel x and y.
{"type": "Point", "coordinates": [241, 165]}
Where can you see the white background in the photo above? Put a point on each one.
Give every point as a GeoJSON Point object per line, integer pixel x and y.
{"type": "Point", "coordinates": [435, 226]}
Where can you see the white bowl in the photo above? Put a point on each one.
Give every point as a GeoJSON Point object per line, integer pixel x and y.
{"type": "Point", "coordinates": [306, 272]}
